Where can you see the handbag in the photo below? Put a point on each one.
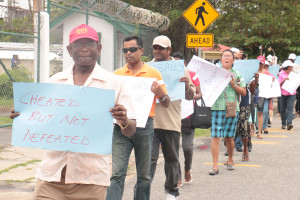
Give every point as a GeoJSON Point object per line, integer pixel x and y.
{"type": "Point", "coordinates": [230, 107]}
{"type": "Point", "coordinates": [186, 125]}
{"type": "Point", "coordinates": [202, 116]}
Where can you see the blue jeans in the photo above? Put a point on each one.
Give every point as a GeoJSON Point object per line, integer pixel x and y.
{"type": "Point", "coordinates": [121, 150]}
{"type": "Point", "coordinates": [265, 114]}
{"type": "Point", "coordinates": [170, 147]}
{"type": "Point", "coordinates": [238, 141]}
{"type": "Point", "coordinates": [287, 108]}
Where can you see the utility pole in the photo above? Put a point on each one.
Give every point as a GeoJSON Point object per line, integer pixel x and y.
{"type": "Point", "coordinates": [37, 5]}
{"type": "Point", "coordinates": [29, 5]}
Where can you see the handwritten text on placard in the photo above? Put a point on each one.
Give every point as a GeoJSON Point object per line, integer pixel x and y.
{"type": "Point", "coordinates": [63, 117]}
{"type": "Point", "coordinates": [172, 71]}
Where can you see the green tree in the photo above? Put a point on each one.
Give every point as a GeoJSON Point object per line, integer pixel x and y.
{"type": "Point", "coordinates": [179, 27]}
{"type": "Point", "coordinates": [249, 24]}
{"type": "Point", "coordinates": [245, 24]}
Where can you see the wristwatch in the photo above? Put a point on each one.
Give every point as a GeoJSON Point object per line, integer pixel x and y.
{"type": "Point", "coordinates": [163, 98]}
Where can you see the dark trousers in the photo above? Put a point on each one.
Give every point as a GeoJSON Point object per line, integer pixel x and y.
{"type": "Point", "coordinates": [297, 107]}
{"type": "Point", "coordinates": [187, 147]}
{"type": "Point", "coordinates": [287, 109]}
{"type": "Point", "coordinates": [169, 141]}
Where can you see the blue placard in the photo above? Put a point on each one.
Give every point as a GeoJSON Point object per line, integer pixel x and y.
{"type": "Point", "coordinates": [63, 117]}
{"type": "Point", "coordinates": [297, 61]}
{"type": "Point", "coordinates": [172, 71]}
{"type": "Point", "coordinates": [247, 68]}
{"type": "Point", "coordinates": [274, 70]}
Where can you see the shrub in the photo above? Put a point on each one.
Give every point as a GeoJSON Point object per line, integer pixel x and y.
{"type": "Point", "coordinates": [18, 75]}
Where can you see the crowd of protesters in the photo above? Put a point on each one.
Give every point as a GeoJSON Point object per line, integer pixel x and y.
{"type": "Point", "coordinates": [71, 175]}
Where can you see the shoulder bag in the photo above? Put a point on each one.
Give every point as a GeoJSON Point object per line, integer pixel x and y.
{"type": "Point", "coordinates": [202, 116]}
{"type": "Point", "coordinates": [230, 106]}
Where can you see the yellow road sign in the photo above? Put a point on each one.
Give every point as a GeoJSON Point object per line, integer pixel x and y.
{"type": "Point", "coordinates": [194, 40]}
{"type": "Point", "coordinates": [200, 15]}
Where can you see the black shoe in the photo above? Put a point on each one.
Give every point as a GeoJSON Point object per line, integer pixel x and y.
{"type": "Point", "coordinates": [226, 153]}
{"type": "Point", "coordinates": [289, 127]}
{"type": "Point", "coordinates": [239, 149]}
{"type": "Point", "coordinates": [249, 148]}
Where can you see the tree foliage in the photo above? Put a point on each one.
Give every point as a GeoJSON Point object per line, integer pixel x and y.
{"type": "Point", "coordinates": [248, 24]}
{"type": "Point", "coordinates": [245, 24]}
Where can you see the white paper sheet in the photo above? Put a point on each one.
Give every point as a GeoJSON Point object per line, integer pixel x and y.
{"type": "Point", "coordinates": [213, 79]}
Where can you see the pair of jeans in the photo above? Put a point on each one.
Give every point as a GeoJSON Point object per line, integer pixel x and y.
{"type": "Point", "coordinates": [122, 146]}
{"type": "Point", "coordinates": [238, 141]}
{"type": "Point", "coordinates": [169, 141]}
{"type": "Point", "coordinates": [187, 147]}
{"type": "Point", "coordinates": [287, 109]}
{"type": "Point", "coordinates": [265, 114]}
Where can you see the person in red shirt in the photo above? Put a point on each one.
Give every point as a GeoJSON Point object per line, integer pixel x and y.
{"type": "Point", "coordinates": [187, 131]}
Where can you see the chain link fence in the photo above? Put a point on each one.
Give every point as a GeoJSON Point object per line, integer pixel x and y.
{"type": "Point", "coordinates": [118, 14]}
{"type": "Point", "coordinates": [17, 54]}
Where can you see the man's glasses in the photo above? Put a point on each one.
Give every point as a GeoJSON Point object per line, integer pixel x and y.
{"type": "Point", "coordinates": [80, 45]}
{"type": "Point", "coordinates": [131, 49]}
{"type": "Point", "coordinates": [159, 48]}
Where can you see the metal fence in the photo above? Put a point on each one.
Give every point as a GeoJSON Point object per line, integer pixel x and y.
{"type": "Point", "coordinates": [19, 54]}
{"type": "Point", "coordinates": [61, 11]}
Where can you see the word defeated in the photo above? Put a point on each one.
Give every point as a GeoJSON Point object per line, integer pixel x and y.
{"type": "Point", "coordinates": [52, 138]}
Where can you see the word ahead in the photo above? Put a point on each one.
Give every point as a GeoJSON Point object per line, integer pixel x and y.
{"type": "Point", "coordinates": [199, 40]}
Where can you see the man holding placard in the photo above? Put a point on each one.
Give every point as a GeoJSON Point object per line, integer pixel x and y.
{"type": "Point", "coordinates": [143, 138]}
{"type": "Point", "coordinates": [71, 175]}
{"type": "Point", "coordinates": [167, 123]}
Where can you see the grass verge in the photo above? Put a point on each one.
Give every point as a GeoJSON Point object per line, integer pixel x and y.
{"type": "Point", "coordinates": [19, 165]}
{"type": "Point", "coordinates": [202, 132]}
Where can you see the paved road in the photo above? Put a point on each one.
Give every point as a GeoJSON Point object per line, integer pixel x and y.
{"type": "Point", "coordinates": [272, 172]}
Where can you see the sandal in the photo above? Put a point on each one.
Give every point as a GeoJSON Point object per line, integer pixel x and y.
{"type": "Point", "coordinates": [245, 158]}
{"type": "Point", "coordinates": [226, 163]}
{"type": "Point", "coordinates": [260, 137]}
{"type": "Point", "coordinates": [188, 176]}
{"type": "Point", "coordinates": [251, 132]}
{"type": "Point", "coordinates": [179, 184]}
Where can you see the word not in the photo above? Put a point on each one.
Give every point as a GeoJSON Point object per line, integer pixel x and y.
{"type": "Point", "coordinates": [75, 121]}
{"type": "Point", "coordinates": [51, 138]}
{"type": "Point", "coordinates": [43, 101]}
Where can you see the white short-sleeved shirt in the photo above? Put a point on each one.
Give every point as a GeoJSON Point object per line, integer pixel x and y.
{"type": "Point", "coordinates": [84, 168]}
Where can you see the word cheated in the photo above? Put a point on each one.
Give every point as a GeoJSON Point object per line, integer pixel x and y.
{"type": "Point", "coordinates": [43, 101]}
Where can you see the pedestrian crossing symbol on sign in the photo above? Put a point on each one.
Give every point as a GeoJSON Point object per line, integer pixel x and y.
{"type": "Point", "coordinates": [200, 15]}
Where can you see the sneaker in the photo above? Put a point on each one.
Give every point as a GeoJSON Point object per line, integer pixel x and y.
{"type": "Point", "coordinates": [171, 197]}
{"type": "Point", "coordinates": [213, 172]}
{"type": "Point", "coordinates": [283, 127]}
{"type": "Point", "coordinates": [239, 149]}
{"type": "Point", "coordinates": [289, 127]}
